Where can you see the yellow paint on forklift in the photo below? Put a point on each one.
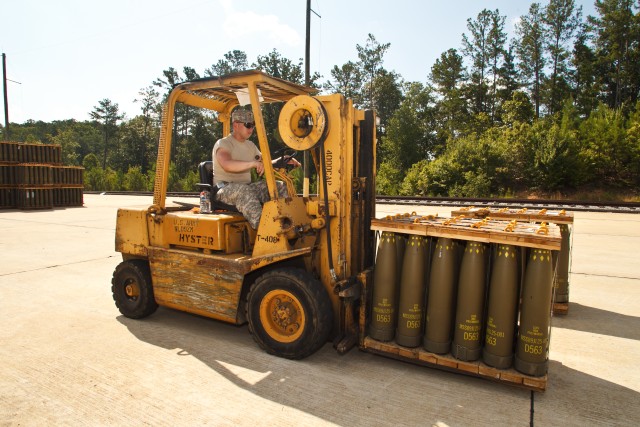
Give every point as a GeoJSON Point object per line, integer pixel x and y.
{"type": "Point", "coordinates": [206, 231]}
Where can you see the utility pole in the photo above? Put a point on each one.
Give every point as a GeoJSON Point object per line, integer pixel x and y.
{"type": "Point", "coordinates": [6, 101]}
{"type": "Point", "coordinates": [307, 82]}
{"type": "Point", "coordinates": [307, 49]}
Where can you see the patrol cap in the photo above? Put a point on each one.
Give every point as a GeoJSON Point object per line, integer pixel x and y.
{"type": "Point", "coordinates": [241, 115]}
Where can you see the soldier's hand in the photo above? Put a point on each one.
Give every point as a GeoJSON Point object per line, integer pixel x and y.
{"type": "Point", "coordinates": [259, 167]}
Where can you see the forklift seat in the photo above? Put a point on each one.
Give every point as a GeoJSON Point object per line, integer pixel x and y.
{"type": "Point", "coordinates": [206, 183]}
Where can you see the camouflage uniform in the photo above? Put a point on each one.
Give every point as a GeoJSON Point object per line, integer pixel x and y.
{"type": "Point", "coordinates": [248, 198]}
{"type": "Point", "coordinates": [236, 188]}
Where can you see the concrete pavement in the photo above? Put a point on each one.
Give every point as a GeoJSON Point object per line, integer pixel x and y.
{"type": "Point", "coordinates": [67, 356]}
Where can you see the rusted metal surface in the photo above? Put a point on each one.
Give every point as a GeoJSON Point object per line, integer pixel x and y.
{"type": "Point", "coordinates": [197, 283]}
{"type": "Point", "coordinates": [208, 285]}
{"type": "Point", "coordinates": [280, 219]}
{"type": "Point", "coordinates": [189, 229]}
{"type": "Point", "coordinates": [131, 232]}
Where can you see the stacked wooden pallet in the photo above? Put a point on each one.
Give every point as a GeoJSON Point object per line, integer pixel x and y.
{"type": "Point", "coordinates": [32, 176]}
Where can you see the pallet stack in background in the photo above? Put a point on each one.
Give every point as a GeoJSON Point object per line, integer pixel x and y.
{"type": "Point", "coordinates": [32, 176]}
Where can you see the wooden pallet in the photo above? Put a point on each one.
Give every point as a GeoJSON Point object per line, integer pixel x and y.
{"type": "Point", "coordinates": [485, 230]}
{"type": "Point", "coordinates": [447, 362]}
{"type": "Point", "coordinates": [561, 308]}
{"type": "Point", "coordinates": [523, 214]}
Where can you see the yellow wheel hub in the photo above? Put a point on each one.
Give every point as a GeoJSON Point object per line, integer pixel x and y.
{"type": "Point", "coordinates": [132, 289]}
{"type": "Point", "coordinates": [302, 122]}
{"type": "Point", "coordinates": [282, 316]}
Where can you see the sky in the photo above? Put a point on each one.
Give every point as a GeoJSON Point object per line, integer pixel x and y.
{"type": "Point", "coordinates": [64, 56]}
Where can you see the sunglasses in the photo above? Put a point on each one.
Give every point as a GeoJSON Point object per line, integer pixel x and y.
{"type": "Point", "coordinates": [249, 125]}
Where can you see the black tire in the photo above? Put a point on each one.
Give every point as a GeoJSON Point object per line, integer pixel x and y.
{"type": "Point", "coordinates": [289, 313]}
{"type": "Point", "coordinates": [132, 289]}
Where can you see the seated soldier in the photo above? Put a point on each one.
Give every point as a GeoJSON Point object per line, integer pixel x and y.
{"type": "Point", "coordinates": [233, 158]}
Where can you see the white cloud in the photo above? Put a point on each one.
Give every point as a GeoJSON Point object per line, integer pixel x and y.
{"type": "Point", "coordinates": [249, 23]}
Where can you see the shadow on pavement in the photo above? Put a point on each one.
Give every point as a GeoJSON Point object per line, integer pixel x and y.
{"type": "Point", "coordinates": [575, 398]}
{"type": "Point", "coordinates": [364, 389]}
{"type": "Point", "coordinates": [603, 322]}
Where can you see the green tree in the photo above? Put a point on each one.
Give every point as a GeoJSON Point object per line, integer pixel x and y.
{"type": "Point", "coordinates": [447, 77]}
{"type": "Point", "coordinates": [197, 146]}
{"type": "Point", "coordinates": [70, 146]}
{"type": "Point", "coordinates": [476, 48]}
{"type": "Point", "coordinates": [278, 66]}
{"type": "Point", "coordinates": [370, 60]}
{"type": "Point", "coordinates": [496, 54]}
{"type": "Point", "coordinates": [518, 109]}
{"type": "Point", "coordinates": [633, 139]}
{"type": "Point", "coordinates": [173, 180]}
{"type": "Point", "coordinates": [617, 49]}
{"type": "Point", "coordinates": [170, 78]}
{"type": "Point", "coordinates": [135, 180]}
{"type": "Point", "coordinates": [190, 180]}
{"type": "Point", "coordinates": [584, 74]}
{"type": "Point", "coordinates": [388, 179]}
{"type": "Point", "coordinates": [150, 116]}
{"type": "Point", "coordinates": [556, 159]}
{"type": "Point", "coordinates": [235, 60]}
{"type": "Point", "coordinates": [186, 118]}
{"type": "Point", "coordinates": [107, 114]}
{"type": "Point", "coordinates": [190, 114]}
{"type": "Point", "coordinates": [409, 136]}
{"type": "Point", "coordinates": [485, 48]}
{"type": "Point", "coordinates": [415, 180]}
{"type": "Point", "coordinates": [608, 152]}
{"type": "Point", "coordinates": [530, 52]}
{"type": "Point", "coordinates": [348, 81]}
{"type": "Point", "coordinates": [387, 95]}
{"type": "Point", "coordinates": [137, 143]}
{"type": "Point", "coordinates": [507, 83]}
{"type": "Point", "coordinates": [561, 20]}
{"type": "Point", "coordinates": [90, 161]}
{"type": "Point", "coordinates": [98, 179]}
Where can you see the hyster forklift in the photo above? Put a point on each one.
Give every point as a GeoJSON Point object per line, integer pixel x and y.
{"type": "Point", "coordinates": [297, 279]}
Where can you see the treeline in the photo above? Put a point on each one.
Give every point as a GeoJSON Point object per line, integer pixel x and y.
{"type": "Point", "coordinates": [553, 109]}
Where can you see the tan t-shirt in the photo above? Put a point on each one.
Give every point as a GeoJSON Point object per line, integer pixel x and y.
{"type": "Point", "coordinates": [246, 151]}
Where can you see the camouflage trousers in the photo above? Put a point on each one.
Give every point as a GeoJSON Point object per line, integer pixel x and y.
{"type": "Point", "coordinates": [248, 198]}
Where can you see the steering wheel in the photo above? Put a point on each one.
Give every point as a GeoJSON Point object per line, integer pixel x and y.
{"type": "Point", "coordinates": [287, 155]}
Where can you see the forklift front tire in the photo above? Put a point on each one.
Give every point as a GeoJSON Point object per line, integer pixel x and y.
{"type": "Point", "coordinates": [289, 313]}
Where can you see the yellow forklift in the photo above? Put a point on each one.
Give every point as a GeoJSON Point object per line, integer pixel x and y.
{"type": "Point", "coordinates": [297, 279]}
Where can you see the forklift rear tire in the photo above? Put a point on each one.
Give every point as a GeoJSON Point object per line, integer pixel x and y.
{"type": "Point", "coordinates": [289, 313]}
{"type": "Point", "coordinates": [132, 289]}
